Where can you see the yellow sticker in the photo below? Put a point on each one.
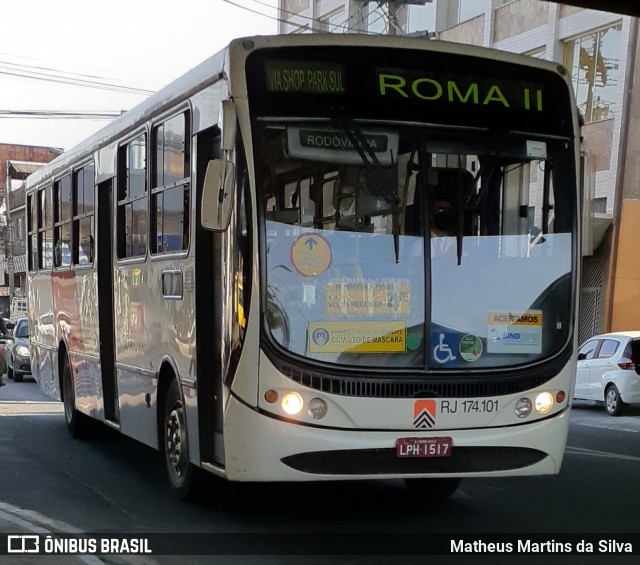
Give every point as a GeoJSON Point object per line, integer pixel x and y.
{"type": "Point", "coordinates": [373, 297]}
{"type": "Point", "coordinates": [529, 318]}
{"type": "Point", "coordinates": [311, 254]}
{"type": "Point", "coordinates": [357, 337]}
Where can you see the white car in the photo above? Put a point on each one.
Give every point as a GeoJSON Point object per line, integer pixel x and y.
{"type": "Point", "coordinates": [609, 370]}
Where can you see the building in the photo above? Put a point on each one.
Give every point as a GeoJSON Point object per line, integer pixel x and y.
{"type": "Point", "coordinates": [600, 51]}
{"type": "Point", "coordinates": [16, 163]}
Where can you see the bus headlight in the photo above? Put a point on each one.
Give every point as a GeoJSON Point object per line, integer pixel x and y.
{"type": "Point", "coordinates": [317, 408]}
{"type": "Point", "coordinates": [523, 407]}
{"type": "Point", "coordinates": [544, 402]}
{"type": "Point", "coordinates": [292, 403]}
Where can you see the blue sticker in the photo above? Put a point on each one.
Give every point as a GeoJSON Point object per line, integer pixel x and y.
{"type": "Point", "coordinates": [444, 348]}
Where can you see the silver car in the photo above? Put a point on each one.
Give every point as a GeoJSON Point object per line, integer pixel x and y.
{"type": "Point", "coordinates": [609, 370]}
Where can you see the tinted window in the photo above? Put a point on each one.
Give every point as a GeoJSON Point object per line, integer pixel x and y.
{"type": "Point", "coordinates": [589, 349]}
{"type": "Point", "coordinates": [609, 348]}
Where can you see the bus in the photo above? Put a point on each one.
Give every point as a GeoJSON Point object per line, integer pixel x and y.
{"type": "Point", "coordinates": [320, 257]}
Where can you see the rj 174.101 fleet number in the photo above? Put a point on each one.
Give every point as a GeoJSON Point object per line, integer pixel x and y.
{"type": "Point", "coordinates": [468, 406]}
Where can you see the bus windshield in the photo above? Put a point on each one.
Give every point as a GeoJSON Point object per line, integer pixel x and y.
{"type": "Point", "coordinates": [419, 212]}
{"type": "Point", "coordinates": [447, 248]}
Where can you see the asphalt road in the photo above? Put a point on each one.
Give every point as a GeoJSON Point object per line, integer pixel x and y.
{"type": "Point", "coordinates": [114, 484]}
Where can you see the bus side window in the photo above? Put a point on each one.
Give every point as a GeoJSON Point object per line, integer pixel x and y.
{"type": "Point", "coordinates": [171, 192]}
{"type": "Point", "coordinates": [132, 198]}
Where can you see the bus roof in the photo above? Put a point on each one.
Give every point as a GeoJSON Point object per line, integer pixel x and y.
{"type": "Point", "coordinates": [217, 66]}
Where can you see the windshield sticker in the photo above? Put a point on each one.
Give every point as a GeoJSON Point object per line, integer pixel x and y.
{"type": "Point", "coordinates": [443, 347]}
{"type": "Point", "coordinates": [357, 337]}
{"type": "Point", "coordinates": [373, 297]}
{"type": "Point", "coordinates": [311, 254]}
{"type": "Point", "coordinates": [514, 332]}
{"type": "Point", "coordinates": [470, 348]}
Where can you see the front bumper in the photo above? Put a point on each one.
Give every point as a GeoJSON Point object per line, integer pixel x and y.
{"type": "Point", "coordinates": [263, 448]}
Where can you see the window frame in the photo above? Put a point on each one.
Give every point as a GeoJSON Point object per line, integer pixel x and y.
{"type": "Point", "coordinates": [602, 355]}
{"type": "Point", "coordinates": [122, 203]}
{"type": "Point", "coordinates": [47, 190]}
{"type": "Point", "coordinates": [77, 218]}
{"type": "Point", "coordinates": [60, 223]}
{"type": "Point", "coordinates": [32, 230]}
{"type": "Point", "coordinates": [160, 189]}
{"type": "Point", "coordinates": [568, 56]}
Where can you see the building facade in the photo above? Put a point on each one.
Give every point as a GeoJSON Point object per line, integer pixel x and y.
{"type": "Point", "coordinates": [599, 49]}
{"type": "Point", "coordinates": [17, 162]}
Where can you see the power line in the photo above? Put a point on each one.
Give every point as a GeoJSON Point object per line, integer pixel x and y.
{"type": "Point", "coordinates": [289, 22]}
{"type": "Point", "coordinates": [277, 19]}
{"type": "Point", "coordinates": [68, 80]}
{"type": "Point", "coordinates": [40, 68]}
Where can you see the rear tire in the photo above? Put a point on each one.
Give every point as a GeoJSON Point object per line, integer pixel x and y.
{"type": "Point", "coordinates": [612, 401]}
{"type": "Point", "coordinates": [78, 424]}
{"type": "Point", "coordinates": [433, 489]}
{"type": "Point", "coordinates": [180, 471]}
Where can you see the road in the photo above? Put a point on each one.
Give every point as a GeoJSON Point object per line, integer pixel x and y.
{"type": "Point", "coordinates": [113, 484]}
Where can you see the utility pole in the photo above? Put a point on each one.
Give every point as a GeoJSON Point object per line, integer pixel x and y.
{"type": "Point", "coordinates": [393, 9]}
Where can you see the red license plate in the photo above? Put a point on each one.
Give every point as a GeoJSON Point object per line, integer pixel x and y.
{"type": "Point", "coordinates": [424, 447]}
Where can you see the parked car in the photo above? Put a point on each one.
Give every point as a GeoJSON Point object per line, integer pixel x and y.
{"type": "Point", "coordinates": [16, 351]}
{"type": "Point", "coordinates": [609, 370]}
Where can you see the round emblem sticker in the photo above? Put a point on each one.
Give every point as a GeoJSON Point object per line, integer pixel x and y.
{"type": "Point", "coordinates": [311, 254]}
{"type": "Point", "coordinates": [470, 348]}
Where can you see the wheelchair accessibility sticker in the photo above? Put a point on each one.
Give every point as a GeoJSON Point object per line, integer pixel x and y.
{"type": "Point", "coordinates": [444, 348]}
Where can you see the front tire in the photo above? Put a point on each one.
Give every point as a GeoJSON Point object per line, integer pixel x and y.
{"type": "Point", "coordinates": [17, 377]}
{"type": "Point", "coordinates": [612, 401]}
{"type": "Point", "coordinates": [9, 372]}
{"type": "Point", "coordinates": [78, 424]}
{"type": "Point", "coordinates": [176, 444]}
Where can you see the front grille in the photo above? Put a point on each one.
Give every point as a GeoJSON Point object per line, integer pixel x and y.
{"type": "Point", "coordinates": [385, 462]}
{"type": "Point", "coordinates": [406, 388]}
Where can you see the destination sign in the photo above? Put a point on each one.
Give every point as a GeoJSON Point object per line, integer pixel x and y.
{"type": "Point", "coordinates": [304, 77]}
{"type": "Point", "coordinates": [396, 84]}
{"type": "Point", "coordinates": [339, 140]}
{"type": "Point", "coordinates": [320, 144]}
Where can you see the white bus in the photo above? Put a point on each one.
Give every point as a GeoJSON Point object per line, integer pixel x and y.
{"type": "Point", "coordinates": [320, 257]}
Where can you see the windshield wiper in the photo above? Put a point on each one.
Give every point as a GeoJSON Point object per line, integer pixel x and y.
{"type": "Point", "coordinates": [375, 172]}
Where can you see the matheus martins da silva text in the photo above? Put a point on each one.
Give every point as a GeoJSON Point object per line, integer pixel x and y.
{"type": "Point", "coordinates": [550, 546]}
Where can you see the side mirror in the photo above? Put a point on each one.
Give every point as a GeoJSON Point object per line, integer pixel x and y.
{"type": "Point", "coordinates": [582, 356]}
{"type": "Point", "coordinates": [217, 195]}
{"type": "Point", "coordinates": [219, 180]}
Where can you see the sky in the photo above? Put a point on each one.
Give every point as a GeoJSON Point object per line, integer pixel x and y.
{"type": "Point", "coordinates": [142, 45]}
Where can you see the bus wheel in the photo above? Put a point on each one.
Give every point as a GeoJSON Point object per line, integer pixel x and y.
{"type": "Point", "coordinates": [435, 489]}
{"type": "Point", "coordinates": [176, 445]}
{"type": "Point", "coordinates": [78, 424]}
